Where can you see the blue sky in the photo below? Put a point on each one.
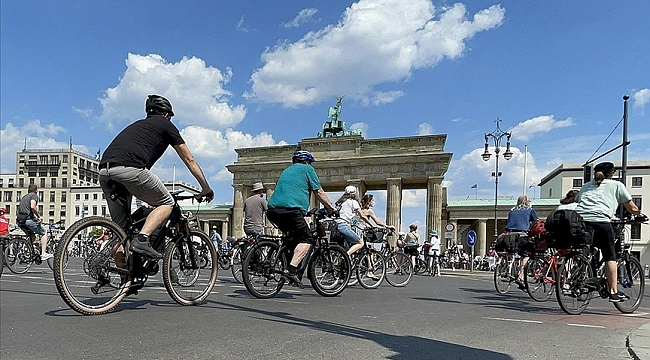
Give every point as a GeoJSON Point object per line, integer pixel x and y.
{"type": "Point", "coordinates": [258, 74]}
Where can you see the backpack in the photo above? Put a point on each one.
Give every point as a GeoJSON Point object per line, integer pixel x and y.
{"type": "Point", "coordinates": [567, 229]}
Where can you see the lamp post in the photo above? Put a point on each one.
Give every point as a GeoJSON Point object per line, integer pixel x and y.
{"type": "Point", "coordinates": [496, 136]}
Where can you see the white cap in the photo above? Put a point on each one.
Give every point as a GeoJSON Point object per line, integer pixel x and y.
{"type": "Point", "coordinates": [350, 189]}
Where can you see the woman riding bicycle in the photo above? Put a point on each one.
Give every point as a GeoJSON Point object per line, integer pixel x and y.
{"type": "Point", "coordinates": [598, 201]}
{"type": "Point", "coordinates": [519, 219]}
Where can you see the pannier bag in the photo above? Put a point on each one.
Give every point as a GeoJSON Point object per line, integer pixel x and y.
{"type": "Point", "coordinates": [567, 230]}
{"type": "Point", "coordinates": [508, 242]}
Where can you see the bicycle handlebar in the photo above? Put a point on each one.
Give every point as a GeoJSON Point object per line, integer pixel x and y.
{"type": "Point", "coordinates": [632, 219]}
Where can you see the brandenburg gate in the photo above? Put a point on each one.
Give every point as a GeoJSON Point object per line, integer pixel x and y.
{"type": "Point", "coordinates": [391, 164]}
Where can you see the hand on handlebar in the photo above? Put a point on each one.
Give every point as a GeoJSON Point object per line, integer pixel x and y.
{"type": "Point", "coordinates": [205, 195]}
{"type": "Point", "coordinates": [334, 213]}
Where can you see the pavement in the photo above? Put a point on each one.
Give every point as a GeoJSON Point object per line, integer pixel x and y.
{"type": "Point", "coordinates": [638, 342]}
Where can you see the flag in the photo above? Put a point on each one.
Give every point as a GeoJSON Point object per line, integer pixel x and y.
{"type": "Point", "coordinates": [98, 154]}
{"type": "Point", "coordinates": [532, 185]}
{"type": "Point", "coordinates": [70, 143]}
{"type": "Point", "coordinates": [474, 186]}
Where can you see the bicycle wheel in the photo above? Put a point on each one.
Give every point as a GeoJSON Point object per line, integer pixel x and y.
{"type": "Point", "coordinates": [237, 264]}
{"type": "Point", "coordinates": [502, 276]}
{"type": "Point", "coordinates": [224, 261]}
{"type": "Point", "coordinates": [420, 266]}
{"type": "Point", "coordinates": [329, 271]}
{"type": "Point", "coordinates": [399, 269]}
{"type": "Point", "coordinates": [262, 268]}
{"type": "Point", "coordinates": [572, 295]}
{"type": "Point", "coordinates": [536, 278]}
{"type": "Point", "coordinates": [18, 255]}
{"type": "Point", "coordinates": [632, 283]}
{"type": "Point", "coordinates": [371, 270]}
{"type": "Point", "coordinates": [189, 281]}
{"type": "Point", "coordinates": [91, 292]}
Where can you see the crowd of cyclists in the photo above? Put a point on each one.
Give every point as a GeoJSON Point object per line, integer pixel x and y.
{"type": "Point", "coordinates": [135, 150]}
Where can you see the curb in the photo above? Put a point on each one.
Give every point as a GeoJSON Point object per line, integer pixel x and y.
{"type": "Point", "coordinates": [638, 343]}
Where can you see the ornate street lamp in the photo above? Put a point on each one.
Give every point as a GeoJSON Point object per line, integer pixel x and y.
{"type": "Point", "coordinates": [496, 136]}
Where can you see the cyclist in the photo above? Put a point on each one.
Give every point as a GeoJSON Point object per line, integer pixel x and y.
{"type": "Point", "coordinates": [367, 203]}
{"type": "Point", "coordinates": [597, 204]}
{"type": "Point", "coordinates": [519, 219]}
{"type": "Point", "coordinates": [29, 217]}
{"type": "Point", "coordinates": [434, 252]}
{"type": "Point", "coordinates": [289, 204]}
{"type": "Point", "coordinates": [129, 157]}
{"type": "Point", "coordinates": [412, 242]}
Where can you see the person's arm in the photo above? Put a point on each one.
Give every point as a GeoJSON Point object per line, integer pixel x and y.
{"type": "Point", "coordinates": [34, 207]}
{"type": "Point", "coordinates": [322, 197]}
{"type": "Point", "coordinates": [632, 208]}
{"type": "Point", "coordinates": [363, 217]}
{"type": "Point", "coordinates": [188, 159]}
{"type": "Point", "coordinates": [377, 221]}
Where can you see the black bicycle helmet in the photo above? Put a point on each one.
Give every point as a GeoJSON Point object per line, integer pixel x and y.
{"type": "Point", "coordinates": [158, 105]}
{"type": "Point", "coordinates": [302, 155]}
{"type": "Point", "coordinates": [605, 167]}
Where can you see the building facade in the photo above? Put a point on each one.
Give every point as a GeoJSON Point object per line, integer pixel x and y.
{"type": "Point", "coordinates": [570, 176]}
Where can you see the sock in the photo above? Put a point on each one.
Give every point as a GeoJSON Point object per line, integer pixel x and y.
{"type": "Point", "coordinates": [143, 237]}
{"type": "Point", "coordinates": [292, 269]}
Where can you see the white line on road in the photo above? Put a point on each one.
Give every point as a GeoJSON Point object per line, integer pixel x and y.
{"type": "Point", "coordinates": [588, 326]}
{"type": "Point", "coordinates": [291, 302]}
{"type": "Point", "coordinates": [515, 320]}
{"type": "Point", "coordinates": [637, 314]}
{"type": "Point", "coordinates": [11, 281]}
{"type": "Point", "coordinates": [38, 283]}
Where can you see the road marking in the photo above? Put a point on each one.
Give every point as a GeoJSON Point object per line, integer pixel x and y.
{"type": "Point", "coordinates": [515, 320]}
{"type": "Point", "coordinates": [38, 283]}
{"type": "Point", "coordinates": [637, 314]}
{"type": "Point", "coordinates": [588, 326]}
{"type": "Point", "coordinates": [290, 302]}
{"type": "Point", "coordinates": [11, 281]}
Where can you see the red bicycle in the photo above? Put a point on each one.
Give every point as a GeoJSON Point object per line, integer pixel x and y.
{"type": "Point", "coordinates": [540, 274]}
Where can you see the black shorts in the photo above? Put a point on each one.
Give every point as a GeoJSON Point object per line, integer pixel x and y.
{"type": "Point", "coordinates": [604, 239]}
{"type": "Point", "coordinates": [411, 250]}
{"type": "Point", "coordinates": [292, 224]}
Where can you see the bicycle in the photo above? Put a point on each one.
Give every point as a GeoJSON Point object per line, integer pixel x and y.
{"type": "Point", "coordinates": [368, 264]}
{"type": "Point", "coordinates": [421, 266]}
{"type": "Point", "coordinates": [21, 252]}
{"type": "Point", "coordinates": [582, 274]}
{"type": "Point", "coordinates": [224, 256]}
{"type": "Point", "coordinates": [114, 272]}
{"type": "Point", "coordinates": [399, 268]}
{"type": "Point", "coordinates": [328, 265]}
{"type": "Point", "coordinates": [506, 271]}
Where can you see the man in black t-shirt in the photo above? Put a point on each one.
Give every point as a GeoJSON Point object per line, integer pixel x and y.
{"type": "Point", "coordinates": [129, 157]}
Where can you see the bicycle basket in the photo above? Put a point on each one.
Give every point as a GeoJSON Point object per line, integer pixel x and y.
{"type": "Point", "coordinates": [374, 235]}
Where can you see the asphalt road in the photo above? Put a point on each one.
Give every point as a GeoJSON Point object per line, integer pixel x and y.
{"type": "Point", "coordinates": [449, 317]}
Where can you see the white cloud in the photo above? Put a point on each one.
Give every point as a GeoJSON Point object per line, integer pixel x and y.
{"type": "Point", "coordinates": [86, 113]}
{"type": "Point", "coordinates": [414, 198]}
{"type": "Point", "coordinates": [32, 135]}
{"type": "Point", "coordinates": [540, 124]}
{"type": "Point", "coordinates": [641, 98]}
{"type": "Point", "coordinates": [425, 129]}
{"type": "Point", "coordinates": [241, 26]}
{"type": "Point", "coordinates": [375, 42]}
{"type": "Point", "coordinates": [195, 90]}
{"type": "Point", "coordinates": [303, 16]}
{"type": "Point", "coordinates": [360, 125]}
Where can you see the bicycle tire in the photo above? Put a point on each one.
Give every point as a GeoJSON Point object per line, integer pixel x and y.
{"type": "Point", "coordinates": [420, 266]}
{"type": "Point", "coordinates": [535, 278]}
{"type": "Point", "coordinates": [632, 283]}
{"type": "Point", "coordinates": [74, 286]}
{"type": "Point", "coordinates": [377, 266]}
{"type": "Point", "coordinates": [329, 271]}
{"type": "Point", "coordinates": [262, 268]}
{"type": "Point", "coordinates": [502, 277]}
{"type": "Point", "coordinates": [573, 298]}
{"type": "Point", "coordinates": [21, 260]}
{"type": "Point", "coordinates": [237, 265]}
{"type": "Point", "coordinates": [186, 283]}
{"type": "Point", "coordinates": [399, 269]}
{"type": "Point", "coordinates": [224, 261]}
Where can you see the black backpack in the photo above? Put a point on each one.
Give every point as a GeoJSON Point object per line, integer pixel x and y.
{"type": "Point", "coordinates": [566, 229]}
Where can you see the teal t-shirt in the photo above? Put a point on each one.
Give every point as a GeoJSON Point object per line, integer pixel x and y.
{"type": "Point", "coordinates": [599, 203]}
{"type": "Point", "coordinates": [294, 186]}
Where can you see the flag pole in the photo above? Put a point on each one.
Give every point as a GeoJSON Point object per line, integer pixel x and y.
{"type": "Point", "coordinates": [525, 164]}
{"type": "Point", "coordinates": [174, 179]}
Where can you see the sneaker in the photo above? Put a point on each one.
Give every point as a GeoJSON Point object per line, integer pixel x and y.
{"type": "Point", "coordinates": [293, 278]}
{"type": "Point", "coordinates": [46, 256]}
{"type": "Point", "coordinates": [614, 298]}
{"type": "Point", "coordinates": [372, 276]}
{"type": "Point", "coordinates": [141, 245]}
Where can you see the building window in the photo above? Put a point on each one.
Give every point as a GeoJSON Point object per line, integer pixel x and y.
{"type": "Point", "coordinates": [635, 231]}
{"type": "Point", "coordinates": [577, 183]}
{"type": "Point", "coordinates": [94, 209]}
{"type": "Point", "coordinates": [21, 183]}
{"type": "Point", "coordinates": [51, 212]}
{"type": "Point", "coordinates": [40, 209]}
{"type": "Point", "coordinates": [31, 173]}
{"type": "Point", "coordinates": [62, 213]}
{"type": "Point", "coordinates": [52, 199]}
{"type": "Point", "coordinates": [53, 182]}
{"type": "Point", "coordinates": [94, 196]}
{"type": "Point", "coordinates": [76, 210]}
{"type": "Point", "coordinates": [64, 182]}
{"type": "Point", "coordinates": [637, 201]}
{"type": "Point", "coordinates": [637, 181]}
{"type": "Point", "coordinates": [65, 159]}
{"type": "Point", "coordinates": [43, 159]}
{"type": "Point", "coordinates": [42, 182]}
{"type": "Point", "coordinates": [18, 195]}
{"type": "Point", "coordinates": [64, 196]}
{"type": "Point", "coordinates": [103, 210]}
{"type": "Point", "coordinates": [54, 159]}
{"type": "Point", "coordinates": [74, 160]}
{"type": "Point", "coordinates": [32, 181]}
{"type": "Point", "coordinates": [7, 196]}
{"type": "Point", "coordinates": [85, 196]}
{"type": "Point", "coordinates": [550, 192]}
{"type": "Point", "coordinates": [54, 173]}
{"type": "Point", "coordinates": [8, 207]}
{"type": "Point", "coordinates": [42, 172]}
{"type": "Point", "coordinates": [40, 196]}
{"type": "Point", "coordinates": [77, 197]}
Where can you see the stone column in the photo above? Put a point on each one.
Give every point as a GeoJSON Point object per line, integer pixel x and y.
{"type": "Point", "coordinates": [394, 205]}
{"type": "Point", "coordinates": [481, 248]}
{"type": "Point", "coordinates": [360, 185]}
{"type": "Point", "coordinates": [238, 211]}
{"type": "Point", "coordinates": [224, 230]}
{"type": "Point", "coordinates": [434, 205]}
{"type": "Point", "coordinates": [270, 187]}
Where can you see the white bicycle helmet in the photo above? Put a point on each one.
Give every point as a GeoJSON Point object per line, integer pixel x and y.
{"type": "Point", "coordinates": [350, 189]}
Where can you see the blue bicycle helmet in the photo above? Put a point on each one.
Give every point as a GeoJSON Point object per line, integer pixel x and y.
{"type": "Point", "coordinates": [302, 155]}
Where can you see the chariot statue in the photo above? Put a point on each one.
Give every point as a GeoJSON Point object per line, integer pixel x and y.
{"type": "Point", "coordinates": [336, 127]}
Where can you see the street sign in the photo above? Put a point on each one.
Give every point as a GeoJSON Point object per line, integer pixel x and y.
{"type": "Point", "coordinates": [449, 235]}
{"type": "Point", "coordinates": [471, 238]}
{"type": "Point", "coordinates": [449, 227]}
